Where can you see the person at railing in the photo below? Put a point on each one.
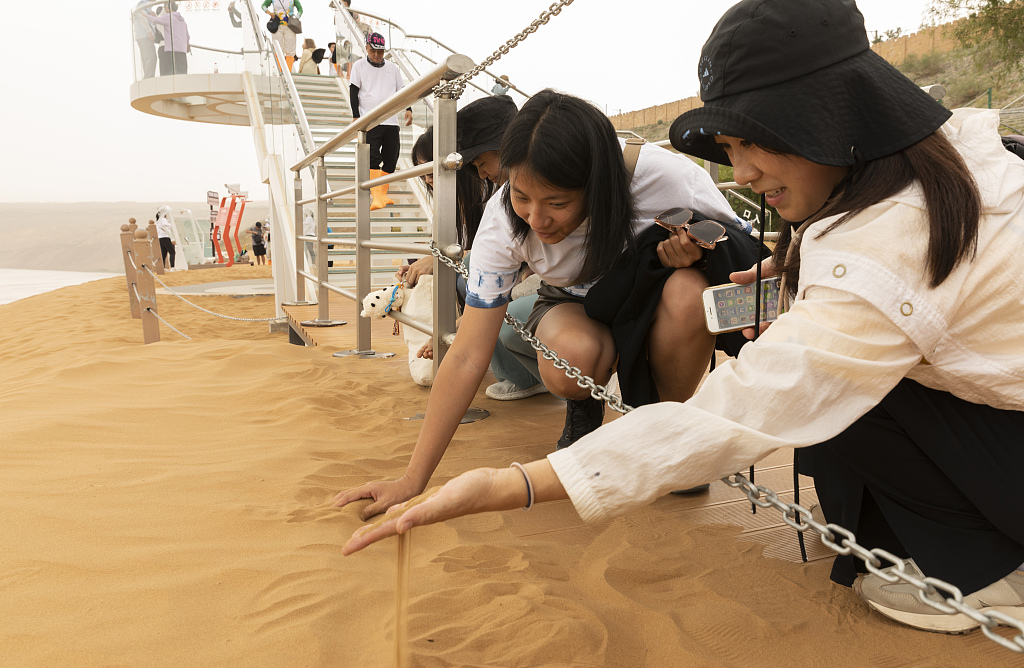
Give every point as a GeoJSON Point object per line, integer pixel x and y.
{"type": "Point", "coordinates": [482, 123]}
{"type": "Point", "coordinates": [145, 39]}
{"type": "Point", "coordinates": [306, 63]}
{"type": "Point", "coordinates": [283, 11]}
{"type": "Point", "coordinates": [342, 58]}
{"type": "Point", "coordinates": [500, 85]}
{"type": "Point", "coordinates": [234, 15]}
{"type": "Point", "coordinates": [259, 242]}
{"type": "Point", "coordinates": [332, 48]}
{"type": "Point", "coordinates": [165, 233]}
{"type": "Point", "coordinates": [571, 210]}
{"type": "Point", "coordinates": [898, 370]}
{"type": "Point", "coordinates": [176, 41]}
{"type": "Point", "coordinates": [373, 81]}
{"type": "Point", "coordinates": [309, 230]}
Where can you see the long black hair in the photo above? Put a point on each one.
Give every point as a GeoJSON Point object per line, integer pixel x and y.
{"type": "Point", "coordinates": [950, 192]}
{"type": "Point", "coordinates": [471, 192]}
{"type": "Point", "coordinates": [569, 144]}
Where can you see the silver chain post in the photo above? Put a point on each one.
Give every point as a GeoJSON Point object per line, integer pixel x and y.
{"type": "Point", "coordinates": [457, 86]}
{"type": "Point", "coordinates": [833, 536]}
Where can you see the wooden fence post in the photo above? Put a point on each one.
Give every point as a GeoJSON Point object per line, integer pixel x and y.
{"type": "Point", "coordinates": [129, 266]}
{"type": "Point", "coordinates": [142, 249]}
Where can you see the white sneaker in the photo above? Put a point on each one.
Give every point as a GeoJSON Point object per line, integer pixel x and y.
{"type": "Point", "coordinates": [506, 391]}
{"type": "Point", "coordinates": [899, 601]}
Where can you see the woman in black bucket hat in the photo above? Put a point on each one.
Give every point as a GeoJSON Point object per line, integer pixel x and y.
{"type": "Point", "coordinates": [899, 367]}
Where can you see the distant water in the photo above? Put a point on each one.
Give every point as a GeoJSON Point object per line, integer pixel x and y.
{"type": "Point", "coordinates": [17, 284]}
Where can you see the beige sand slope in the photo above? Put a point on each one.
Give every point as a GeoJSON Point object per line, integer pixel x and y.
{"type": "Point", "coordinates": [165, 505]}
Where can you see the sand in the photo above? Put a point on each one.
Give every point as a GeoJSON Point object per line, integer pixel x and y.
{"type": "Point", "coordinates": [166, 505]}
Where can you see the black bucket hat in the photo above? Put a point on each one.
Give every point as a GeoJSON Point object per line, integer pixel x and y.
{"type": "Point", "coordinates": [481, 124]}
{"type": "Point", "coordinates": [799, 76]}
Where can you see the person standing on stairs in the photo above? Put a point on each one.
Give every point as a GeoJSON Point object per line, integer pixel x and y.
{"type": "Point", "coordinates": [373, 81]}
{"type": "Point", "coordinates": [284, 10]}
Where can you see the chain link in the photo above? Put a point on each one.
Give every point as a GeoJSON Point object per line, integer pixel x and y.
{"type": "Point", "coordinates": [457, 86]}
{"type": "Point", "coordinates": [599, 392]}
{"type": "Point", "coordinates": [226, 317]}
{"type": "Point", "coordinates": [953, 599]}
{"type": "Point", "coordinates": [796, 515]}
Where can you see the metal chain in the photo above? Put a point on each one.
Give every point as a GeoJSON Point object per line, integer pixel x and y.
{"type": "Point", "coordinates": [457, 86]}
{"type": "Point", "coordinates": [172, 327]}
{"type": "Point", "coordinates": [226, 317]}
{"type": "Point", "coordinates": [799, 517]}
{"type": "Point", "coordinates": [599, 392]}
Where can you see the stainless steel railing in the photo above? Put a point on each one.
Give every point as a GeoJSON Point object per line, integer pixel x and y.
{"type": "Point", "coordinates": [442, 328]}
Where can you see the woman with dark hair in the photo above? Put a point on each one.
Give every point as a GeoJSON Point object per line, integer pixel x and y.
{"type": "Point", "coordinates": [899, 367]}
{"type": "Point", "coordinates": [569, 210]}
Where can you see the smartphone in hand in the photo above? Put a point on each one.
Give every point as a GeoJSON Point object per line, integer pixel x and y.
{"type": "Point", "coordinates": [730, 307]}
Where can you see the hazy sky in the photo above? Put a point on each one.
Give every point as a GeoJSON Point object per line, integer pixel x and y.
{"type": "Point", "coordinates": [70, 133]}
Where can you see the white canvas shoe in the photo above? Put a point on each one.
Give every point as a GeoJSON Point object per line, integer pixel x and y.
{"type": "Point", "coordinates": [506, 391]}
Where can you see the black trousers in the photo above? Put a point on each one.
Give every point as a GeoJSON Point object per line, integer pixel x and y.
{"type": "Point", "coordinates": [384, 144]}
{"type": "Point", "coordinates": [167, 248]}
{"type": "Point", "coordinates": [929, 476]}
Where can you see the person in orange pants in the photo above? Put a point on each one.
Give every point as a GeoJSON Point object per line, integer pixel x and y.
{"type": "Point", "coordinates": [373, 81]}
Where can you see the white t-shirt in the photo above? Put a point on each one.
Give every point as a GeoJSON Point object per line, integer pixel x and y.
{"type": "Point", "coordinates": [662, 180]}
{"type": "Point", "coordinates": [376, 84]}
{"type": "Point", "coordinates": [163, 228]}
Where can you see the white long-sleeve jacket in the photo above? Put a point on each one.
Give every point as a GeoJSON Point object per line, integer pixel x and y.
{"type": "Point", "coordinates": [865, 318]}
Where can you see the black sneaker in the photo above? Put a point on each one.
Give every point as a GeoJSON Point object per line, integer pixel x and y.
{"type": "Point", "coordinates": [581, 418]}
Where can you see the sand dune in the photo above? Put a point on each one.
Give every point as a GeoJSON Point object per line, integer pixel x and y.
{"type": "Point", "coordinates": [166, 505]}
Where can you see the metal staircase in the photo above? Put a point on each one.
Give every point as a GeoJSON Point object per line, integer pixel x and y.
{"type": "Point", "coordinates": [325, 106]}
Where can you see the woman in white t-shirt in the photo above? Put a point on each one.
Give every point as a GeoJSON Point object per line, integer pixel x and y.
{"type": "Point", "coordinates": [568, 210]}
{"type": "Point", "coordinates": [165, 232]}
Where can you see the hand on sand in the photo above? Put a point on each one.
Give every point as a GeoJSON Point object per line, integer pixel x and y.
{"type": "Point", "coordinates": [679, 251]}
{"type": "Point", "coordinates": [749, 276]}
{"type": "Point", "coordinates": [385, 493]}
{"type": "Point", "coordinates": [477, 491]}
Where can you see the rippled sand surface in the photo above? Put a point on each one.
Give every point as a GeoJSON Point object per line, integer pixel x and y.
{"type": "Point", "coordinates": [166, 505]}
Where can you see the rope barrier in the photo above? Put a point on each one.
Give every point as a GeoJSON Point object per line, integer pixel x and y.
{"type": "Point", "coordinates": [797, 516]}
{"type": "Point", "coordinates": [172, 327]}
{"type": "Point", "coordinates": [226, 317]}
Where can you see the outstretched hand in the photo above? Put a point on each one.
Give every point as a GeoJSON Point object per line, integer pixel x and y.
{"type": "Point", "coordinates": [748, 276]}
{"type": "Point", "coordinates": [477, 491]}
{"type": "Point", "coordinates": [385, 493]}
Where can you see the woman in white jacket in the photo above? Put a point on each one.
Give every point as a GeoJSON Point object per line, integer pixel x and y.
{"type": "Point", "coordinates": [899, 368]}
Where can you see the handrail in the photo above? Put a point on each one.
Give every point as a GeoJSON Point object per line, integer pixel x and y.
{"type": "Point", "coordinates": [485, 70]}
{"type": "Point", "coordinates": [262, 43]}
{"type": "Point", "coordinates": [452, 67]}
{"type": "Point", "coordinates": [193, 45]}
{"type": "Point", "coordinates": [399, 57]}
{"type": "Point", "coordinates": [350, 23]}
{"type": "Point", "coordinates": [434, 62]}
{"type": "Point", "coordinates": [293, 94]}
{"type": "Point", "coordinates": [428, 38]}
